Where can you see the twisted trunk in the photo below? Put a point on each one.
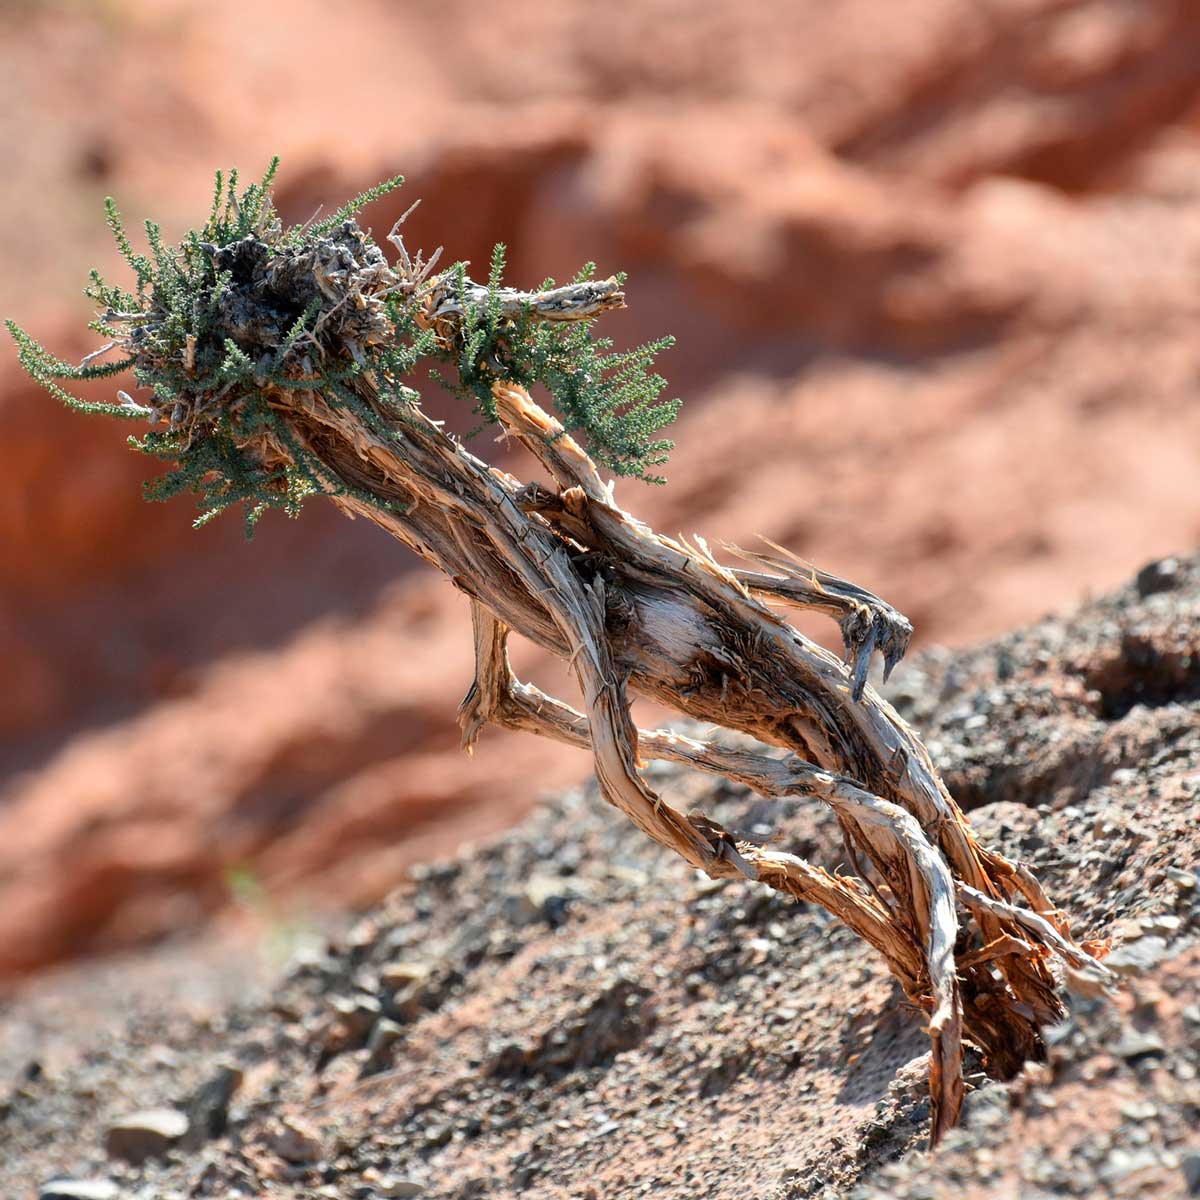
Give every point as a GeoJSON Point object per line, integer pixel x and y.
{"type": "Point", "coordinates": [236, 322]}
{"type": "Point", "coordinates": [633, 611]}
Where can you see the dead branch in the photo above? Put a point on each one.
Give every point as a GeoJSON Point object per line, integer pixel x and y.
{"type": "Point", "coordinates": [634, 611]}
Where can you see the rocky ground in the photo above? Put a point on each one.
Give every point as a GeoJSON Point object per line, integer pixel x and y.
{"type": "Point", "coordinates": [566, 1012]}
{"type": "Point", "coordinates": [932, 267]}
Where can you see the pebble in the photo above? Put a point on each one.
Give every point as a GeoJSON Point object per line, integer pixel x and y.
{"type": "Point", "coordinates": [146, 1134]}
{"type": "Point", "coordinates": [78, 1189]}
{"type": "Point", "coordinates": [1135, 1044]}
{"type": "Point", "coordinates": [1190, 1166]}
{"type": "Point", "coordinates": [1185, 881]}
{"type": "Point", "coordinates": [1163, 923]}
{"type": "Point", "coordinates": [1161, 576]}
{"type": "Point", "coordinates": [396, 1188]}
{"type": "Point", "coordinates": [1061, 1033]}
{"type": "Point", "coordinates": [986, 1108]}
{"type": "Point", "coordinates": [1137, 957]}
{"type": "Point", "coordinates": [396, 975]}
{"type": "Point", "coordinates": [544, 897]}
{"type": "Point", "coordinates": [383, 1037]}
{"type": "Point", "coordinates": [296, 1141]}
{"type": "Point", "coordinates": [356, 1013]}
{"type": "Point", "coordinates": [208, 1109]}
{"type": "Point", "coordinates": [1120, 1164]}
{"type": "Point", "coordinates": [1139, 1110]}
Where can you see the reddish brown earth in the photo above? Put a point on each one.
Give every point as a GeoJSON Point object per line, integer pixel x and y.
{"type": "Point", "coordinates": [567, 1011]}
{"type": "Point", "coordinates": [933, 270]}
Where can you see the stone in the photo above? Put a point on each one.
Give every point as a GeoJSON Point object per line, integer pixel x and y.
{"type": "Point", "coordinates": [208, 1109]}
{"type": "Point", "coordinates": [1135, 1044]}
{"type": "Point", "coordinates": [986, 1108]}
{"type": "Point", "coordinates": [1060, 1033]}
{"type": "Point", "coordinates": [352, 1019]}
{"type": "Point", "coordinates": [356, 1013]}
{"type": "Point", "coordinates": [78, 1189]}
{"type": "Point", "coordinates": [1185, 881]}
{"type": "Point", "coordinates": [1163, 923]}
{"type": "Point", "coordinates": [1137, 957]}
{"type": "Point", "coordinates": [1121, 1164]}
{"type": "Point", "coordinates": [383, 1037]}
{"type": "Point", "coordinates": [1190, 1166]}
{"type": "Point", "coordinates": [146, 1134]}
{"type": "Point", "coordinates": [399, 974]}
{"type": "Point", "coordinates": [1160, 576]}
{"type": "Point", "coordinates": [396, 1188]}
{"type": "Point", "coordinates": [544, 898]}
{"type": "Point", "coordinates": [295, 1141]}
{"type": "Point", "coordinates": [1139, 1110]}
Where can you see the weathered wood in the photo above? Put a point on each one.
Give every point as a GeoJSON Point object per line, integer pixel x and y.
{"type": "Point", "coordinates": [968, 935]}
{"type": "Point", "coordinates": [635, 612]}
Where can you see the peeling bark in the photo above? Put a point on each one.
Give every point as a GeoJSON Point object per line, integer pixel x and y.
{"type": "Point", "coordinates": [632, 611]}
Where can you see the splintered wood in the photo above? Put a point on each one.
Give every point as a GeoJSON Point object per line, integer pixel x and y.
{"type": "Point", "coordinates": [970, 936]}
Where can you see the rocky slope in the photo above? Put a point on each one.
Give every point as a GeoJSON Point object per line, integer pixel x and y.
{"type": "Point", "coordinates": [932, 269]}
{"type": "Point", "coordinates": [566, 1012]}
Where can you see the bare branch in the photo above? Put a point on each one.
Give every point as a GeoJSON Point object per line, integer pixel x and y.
{"type": "Point", "coordinates": [447, 306]}
{"type": "Point", "coordinates": [867, 623]}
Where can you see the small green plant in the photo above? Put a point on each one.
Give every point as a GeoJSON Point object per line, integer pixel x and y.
{"type": "Point", "coordinates": [244, 306]}
{"type": "Point", "coordinates": [282, 932]}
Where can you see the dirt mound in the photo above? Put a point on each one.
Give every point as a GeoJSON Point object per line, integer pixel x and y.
{"type": "Point", "coordinates": [567, 1011]}
{"type": "Point", "coordinates": [933, 278]}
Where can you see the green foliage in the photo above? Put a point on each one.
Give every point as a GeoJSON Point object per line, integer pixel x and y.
{"type": "Point", "coordinates": [243, 309]}
{"type": "Point", "coordinates": [47, 370]}
{"type": "Point", "coordinates": [355, 206]}
{"type": "Point", "coordinates": [611, 400]}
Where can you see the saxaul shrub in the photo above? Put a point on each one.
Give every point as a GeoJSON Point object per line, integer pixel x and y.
{"type": "Point", "coordinates": [277, 364]}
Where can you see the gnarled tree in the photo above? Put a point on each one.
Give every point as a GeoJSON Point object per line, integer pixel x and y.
{"type": "Point", "coordinates": [279, 364]}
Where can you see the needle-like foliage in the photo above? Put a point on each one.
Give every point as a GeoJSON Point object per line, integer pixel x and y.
{"type": "Point", "coordinates": [244, 308]}
{"type": "Point", "coordinates": [611, 398]}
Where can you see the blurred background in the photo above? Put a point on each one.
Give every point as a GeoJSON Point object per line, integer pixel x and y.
{"type": "Point", "coordinates": [933, 267]}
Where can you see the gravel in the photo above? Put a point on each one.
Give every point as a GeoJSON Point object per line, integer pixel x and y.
{"type": "Point", "coordinates": [567, 1012]}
